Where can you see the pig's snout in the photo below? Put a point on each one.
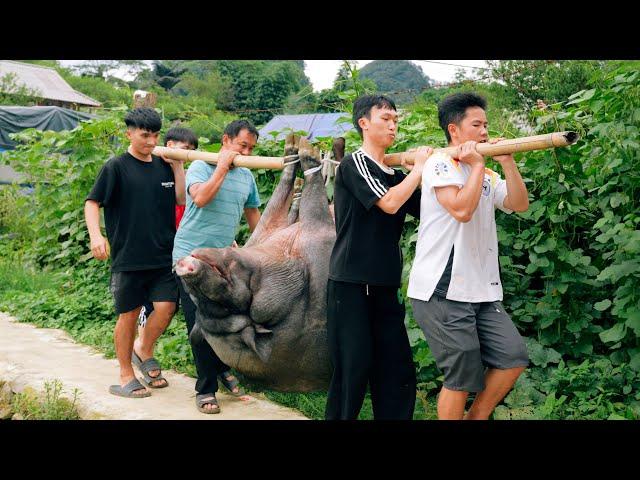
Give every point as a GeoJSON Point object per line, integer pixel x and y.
{"type": "Point", "coordinates": [186, 265]}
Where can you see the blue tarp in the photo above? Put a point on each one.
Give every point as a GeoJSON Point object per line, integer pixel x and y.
{"type": "Point", "coordinates": [315, 124]}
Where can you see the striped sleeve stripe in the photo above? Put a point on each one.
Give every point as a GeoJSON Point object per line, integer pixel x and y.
{"type": "Point", "coordinates": [380, 185]}
{"type": "Point", "coordinates": [377, 183]}
{"type": "Point", "coordinates": [374, 183]}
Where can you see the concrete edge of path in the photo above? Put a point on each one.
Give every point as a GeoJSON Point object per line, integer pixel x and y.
{"type": "Point", "coordinates": [31, 356]}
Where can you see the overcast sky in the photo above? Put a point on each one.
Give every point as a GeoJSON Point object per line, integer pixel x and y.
{"type": "Point", "coordinates": [322, 73]}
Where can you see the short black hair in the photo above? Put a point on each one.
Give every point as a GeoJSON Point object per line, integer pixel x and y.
{"type": "Point", "coordinates": [363, 105]}
{"type": "Point", "coordinates": [145, 118]}
{"type": "Point", "coordinates": [181, 134]}
{"type": "Point", "coordinates": [453, 108]}
{"type": "Point", "coordinates": [235, 127]}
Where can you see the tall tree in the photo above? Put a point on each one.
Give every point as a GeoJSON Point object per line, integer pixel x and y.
{"type": "Point", "coordinates": [261, 88]}
{"type": "Point", "coordinates": [551, 81]}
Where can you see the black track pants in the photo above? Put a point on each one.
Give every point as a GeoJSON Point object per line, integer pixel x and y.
{"type": "Point", "coordinates": [368, 344]}
{"type": "Point", "coordinates": [208, 364]}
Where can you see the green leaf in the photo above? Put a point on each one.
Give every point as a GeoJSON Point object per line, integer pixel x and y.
{"type": "Point", "coordinates": [603, 305]}
{"type": "Point", "coordinates": [415, 336]}
{"type": "Point", "coordinates": [542, 356]}
{"type": "Point", "coordinates": [634, 363]}
{"type": "Point", "coordinates": [633, 320]}
{"type": "Point", "coordinates": [582, 96]}
{"type": "Point", "coordinates": [542, 262]}
{"type": "Point", "coordinates": [615, 416]}
{"type": "Point", "coordinates": [614, 334]}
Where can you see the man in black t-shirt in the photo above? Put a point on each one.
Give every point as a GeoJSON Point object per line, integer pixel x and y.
{"type": "Point", "coordinates": [138, 192]}
{"type": "Point", "coordinates": [368, 342]}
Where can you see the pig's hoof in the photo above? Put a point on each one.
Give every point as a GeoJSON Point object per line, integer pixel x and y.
{"type": "Point", "coordinates": [291, 144]}
{"type": "Point", "coordinates": [309, 155]}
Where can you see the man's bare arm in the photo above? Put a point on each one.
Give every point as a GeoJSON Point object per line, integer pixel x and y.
{"type": "Point", "coordinates": [99, 246]}
{"type": "Point", "coordinates": [205, 192]}
{"type": "Point", "coordinates": [253, 217]}
{"type": "Point", "coordinates": [397, 196]}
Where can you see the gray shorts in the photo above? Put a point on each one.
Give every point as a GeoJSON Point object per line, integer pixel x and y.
{"type": "Point", "coordinates": [465, 338]}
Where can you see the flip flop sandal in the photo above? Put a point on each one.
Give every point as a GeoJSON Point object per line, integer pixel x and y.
{"type": "Point", "coordinates": [231, 384]}
{"type": "Point", "coordinates": [145, 367]}
{"type": "Point", "coordinates": [203, 399]}
{"type": "Point", "coordinates": [128, 389]}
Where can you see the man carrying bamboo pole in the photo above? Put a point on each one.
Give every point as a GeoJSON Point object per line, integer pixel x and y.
{"type": "Point", "coordinates": [217, 196]}
{"type": "Point", "coordinates": [454, 285]}
{"type": "Point", "coordinates": [368, 342]}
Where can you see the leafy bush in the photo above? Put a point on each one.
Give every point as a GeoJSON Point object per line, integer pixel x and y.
{"type": "Point", "coordinates": [62, 166]}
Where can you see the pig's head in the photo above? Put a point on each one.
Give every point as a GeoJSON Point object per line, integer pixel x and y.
{"type": "Point", "coordinates": [217, 279]}
{"type": "Point", "coordinates": [245, 297]}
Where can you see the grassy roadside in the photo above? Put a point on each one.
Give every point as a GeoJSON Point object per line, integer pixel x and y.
{"type": "Point", "coordinates": [80, 304]}
{"type": "Point", "coordinates": [50, 404]}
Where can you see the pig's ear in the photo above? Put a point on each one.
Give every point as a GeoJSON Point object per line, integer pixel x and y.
{"type": "Point", "coordinates": [260, 343]}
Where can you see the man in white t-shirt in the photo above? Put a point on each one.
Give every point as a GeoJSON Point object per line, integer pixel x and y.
{"type": "Point", "coordinates": [454, 285]}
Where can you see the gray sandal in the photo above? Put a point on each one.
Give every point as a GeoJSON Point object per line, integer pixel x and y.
{"type": "Point", "coordinates": [203, 399]}
{"type": "Point", "coordinates": [127, 391]}
{"type": "Point", "coordinates": [145, 367]}
{"type": "Point", "coordinates": [231, 384]}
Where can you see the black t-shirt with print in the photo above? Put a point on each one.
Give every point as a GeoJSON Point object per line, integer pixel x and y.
{"type": "Point", "coordinates": [367, 246]}
{"type": "Point", "coordinates": [139, 202]}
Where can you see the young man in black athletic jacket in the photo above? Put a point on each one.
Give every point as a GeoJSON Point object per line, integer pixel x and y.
{"type": "Point", "coordinates": [368, 342]}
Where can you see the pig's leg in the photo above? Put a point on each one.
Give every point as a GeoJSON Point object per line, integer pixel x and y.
{"type": "Point", "coordinates": [338, 148]}
{"type": "Point", "coordinates": [277, 210]}
{"type": "Point", "coordinates": [314, 206]}
{"type": "Point", "coordinates": [295, 206]}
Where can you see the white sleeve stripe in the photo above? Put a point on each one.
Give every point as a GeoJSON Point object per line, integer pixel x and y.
{"type": "Point", "coordinates": [376, 183]}
{"type": "Point", "coordinates": [362, 169]}
{"type": "Point", "coordinates": [364, 163]}
{"type": "Point", "coordinates": [380, 186]}
{"type": "Point", "coordinates": [359, 161]}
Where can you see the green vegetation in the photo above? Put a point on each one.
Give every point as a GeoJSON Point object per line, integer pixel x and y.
{"type": "Point", "coordinates": [50, 405]}
{"type": "Point", "coordinates": [570, 264]}
{"type": "Point", "coordinates": [14, 93]}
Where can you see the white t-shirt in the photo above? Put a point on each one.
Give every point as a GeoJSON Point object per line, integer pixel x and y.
{"type": "Point", "coordinates": [475, 275]}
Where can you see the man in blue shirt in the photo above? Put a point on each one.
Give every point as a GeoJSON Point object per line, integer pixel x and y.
{"type": "Point", "coordinates": [217, 196]}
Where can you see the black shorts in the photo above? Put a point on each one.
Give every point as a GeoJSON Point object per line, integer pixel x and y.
{"type": "Point", "coordinates": [465, 338]}
{"type": "Point", "coordinates": [132, 289]}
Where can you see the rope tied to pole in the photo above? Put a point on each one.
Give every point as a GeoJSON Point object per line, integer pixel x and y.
{"type": "Point", "coordinates": [291, 159]}
{"type": "Point", "coordinates": [313, 170]}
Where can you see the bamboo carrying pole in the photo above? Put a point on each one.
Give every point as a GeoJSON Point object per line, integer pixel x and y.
{"type": "Point", "coordinates": [504, 147]}
{"type": "Point", "coordinates": [212, 158]}
{"type": "Point", "coordinates": [513, 145]}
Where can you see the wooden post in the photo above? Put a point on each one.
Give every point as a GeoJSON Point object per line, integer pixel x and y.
{"type": "Point", "coordinates": [144, 99]}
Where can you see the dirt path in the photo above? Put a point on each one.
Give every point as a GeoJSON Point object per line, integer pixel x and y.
{"type": "Point", "coordinates": [29, 356]}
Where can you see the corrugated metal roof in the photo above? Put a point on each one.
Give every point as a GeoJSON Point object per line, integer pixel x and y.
{"type": "Point", "coordinates": [315, 124]}
{"type": "Point", "coordinates": [47, 81]}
